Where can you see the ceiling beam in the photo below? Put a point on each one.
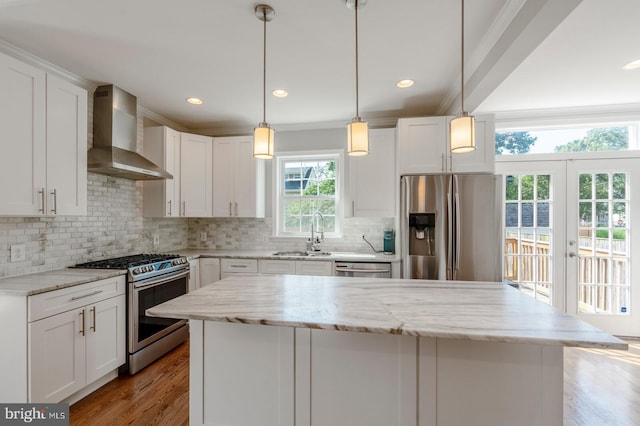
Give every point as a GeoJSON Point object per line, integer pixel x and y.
{"type": "Point", "coordinates": [533, 22]}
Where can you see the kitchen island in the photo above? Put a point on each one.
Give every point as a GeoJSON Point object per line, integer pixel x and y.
{"type": "Point", "coordinates": [303, 350]}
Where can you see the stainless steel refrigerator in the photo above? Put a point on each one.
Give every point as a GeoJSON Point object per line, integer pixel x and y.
{"type": "Point", "coordinates": [451, 227]}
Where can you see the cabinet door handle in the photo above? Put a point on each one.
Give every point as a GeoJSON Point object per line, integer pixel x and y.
{"type": "Point", "coordinates": [87, 295]}
{"type": "Point", "coordinates": [230, 214]}
{"type": "Point", "coordinates": [93, 310]}
{"type": "Point", "coordinates": [238, 266]}
{"type": "Point", "coordinates": [236, 208]}
{"type": "Point", "coordinates": [169, 207]}
{"type": "Point", "coordinates": [443, 168]}
{"type": "Point", "coordinates": [353, 207]}
{"type": "Point", "coordinates": [184, 208]}
{"type": "Point", "coordinates": [54, 210]}
{"type": "Point", "coordinates": [41, 209]}
{"type": "Point", "coordinates": [82, 316]}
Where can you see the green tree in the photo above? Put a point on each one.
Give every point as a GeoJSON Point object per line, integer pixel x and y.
{"type": "Point", "coordinates": [604, 139]}
{"type": "Point", "coordinates": [514, 142]}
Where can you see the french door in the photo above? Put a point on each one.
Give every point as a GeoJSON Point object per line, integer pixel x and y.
{"type": "Point", "coordinates": [569, 236]}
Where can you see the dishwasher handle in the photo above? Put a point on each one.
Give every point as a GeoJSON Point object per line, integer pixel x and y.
{"type": "Point", "coordinates": [367, 271]}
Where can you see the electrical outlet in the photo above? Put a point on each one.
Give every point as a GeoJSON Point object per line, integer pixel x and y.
{"type": "Point", "coordinates": [156, 239]}
{"type": "Point", "coordinates": [203, 236]}
{"type": "Point", "coordinates": [18, 253]}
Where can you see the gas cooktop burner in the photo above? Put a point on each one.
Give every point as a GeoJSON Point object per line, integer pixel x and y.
{"type": "Point", "coordinates": [128, 261]}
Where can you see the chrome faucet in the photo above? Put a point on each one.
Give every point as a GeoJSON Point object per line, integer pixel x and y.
{"type": "Point", "coordinates": [315, 241]}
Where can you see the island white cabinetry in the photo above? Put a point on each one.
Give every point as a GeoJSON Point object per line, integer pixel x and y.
{"type": "Point", "coordinates": [161, 198]}
{"type": "Point", "coordinates": [423, 147]}
{"type": "Point", "coordinates": [238, 266]}
{"type": "Point", "coordinates": [238, 178]}
{"type": "Point", "coordinates": [295, 267]}
{"type": "Point", "coordinates": [209, 271]}
{"type": "Point", "coordinates": [372, 180]}
{"type": "Point", "coordinates": [196, 162]}
{"type": "Point", "coordinates": [323, 351]}
{"type": "Point", "coordinates": [44, 143]}
{"type": "Point", "coordinates": [76, 336]}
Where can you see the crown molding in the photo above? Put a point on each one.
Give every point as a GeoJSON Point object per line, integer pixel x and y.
{"type": "Point", "coordinates": [147, 113]}
{"type": "Point", "coordinates": [237, 130]}
{"type": "Point", "coordinates": [570, 116]}
{"type": "Point", "coordinates": [47, 66]}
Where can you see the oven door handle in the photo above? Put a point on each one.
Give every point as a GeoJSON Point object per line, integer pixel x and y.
{"type": "Point", "coordinates": [151, 282]}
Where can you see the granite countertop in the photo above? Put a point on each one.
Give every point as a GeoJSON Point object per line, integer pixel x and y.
{"type": "Point", "coordinates": [42, 282]}
{"type": "Point", "coordinates": [269, 254]}
{"type": "Point", "coordinates": [446, 309]}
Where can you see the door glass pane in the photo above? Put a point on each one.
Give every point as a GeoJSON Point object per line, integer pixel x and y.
{"type": "Point", "coordinates": [603, 267]}
{"type": "Point", "coordinates": [528, 234]}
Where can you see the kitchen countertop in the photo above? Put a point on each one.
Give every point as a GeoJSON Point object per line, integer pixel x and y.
{"type": "Point", "coordinates": [460, 310]}
{"type": "Point", "coordinates": [269, 254]}
{"type": "Point", "coordinates": [42, 282]}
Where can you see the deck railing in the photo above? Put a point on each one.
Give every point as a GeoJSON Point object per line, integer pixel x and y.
{"type": "Point", "coordinates": [602, 273]}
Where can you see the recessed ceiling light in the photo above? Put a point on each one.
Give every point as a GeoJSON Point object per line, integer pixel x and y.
{"type": "Point", "coordinates": [280, 93]}
{"type": "Point", "coordinates": [403, 84]}
{"type": "Point", "coordinates": [632, 65]}
{"type": "Point", "coordinates": [195, 101]}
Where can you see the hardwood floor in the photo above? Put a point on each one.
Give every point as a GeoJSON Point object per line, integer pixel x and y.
{"type": "Point", "coordinates": [601, 387]}
{"type": "Point", "coordinates": [157, 395]}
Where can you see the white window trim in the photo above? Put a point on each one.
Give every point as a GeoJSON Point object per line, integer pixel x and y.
{"type": "Point", "coordinates": [280, 158]}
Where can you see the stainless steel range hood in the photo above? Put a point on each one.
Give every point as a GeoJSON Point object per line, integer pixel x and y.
{"type": "Point", "coordinates": [115, 129]}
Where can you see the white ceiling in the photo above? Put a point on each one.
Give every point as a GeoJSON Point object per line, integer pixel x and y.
{"type": "Point", "coordinates": [163, 51]}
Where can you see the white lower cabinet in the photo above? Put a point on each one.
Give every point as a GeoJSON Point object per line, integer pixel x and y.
{"type": "Point", "coordinates": [295, 267]}
{"type": "Point", "coordinates": [72, 349]}
{"type": "Point", "coordinates": [247, 374]}
{"type": "Point", "coordinates": [194, 274]}
{"type": "Point", "coordinates": [238, 266]}
{"type": "Point", "coordinates": [209, 270]}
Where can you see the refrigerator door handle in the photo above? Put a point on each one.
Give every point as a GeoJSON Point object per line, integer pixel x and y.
{"type": "Point", "coordinates": [449, 230]}
{"type": "Point", "coordinates": [456, 201]}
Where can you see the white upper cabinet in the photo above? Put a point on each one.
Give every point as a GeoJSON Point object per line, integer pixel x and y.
{"type": "Point", "coordinates": [196, 162]}
{"type": "Point", "coordinates": [423, 147]}
{"type": "Point", "coordinates": [372, 180]}
{"type": "Point", "coordinates": [44, 143]}
{"type": "Point", "coordinates": [66, 148]}
{"type": "Point", "coordinates": [161, 198]}
{"type": "Point", "coordinates": [238, 178]}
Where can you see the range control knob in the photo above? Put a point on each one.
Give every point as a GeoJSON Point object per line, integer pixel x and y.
{"type": "Point", "coordinates": [136, 271]}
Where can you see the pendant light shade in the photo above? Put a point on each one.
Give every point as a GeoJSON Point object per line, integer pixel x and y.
{"type": "Point", "coordinates": [357, 130]}
{"type": "Point", "coordinates": [462, 128]}
{"type": "Point", "coordinates": [463, 134]}
{"type": "Point", "coordinates": [357, 137]}
{"type": "Point", "coordinates": [264, 135]}
{"type": "Point", "coordinates": [263, 142]}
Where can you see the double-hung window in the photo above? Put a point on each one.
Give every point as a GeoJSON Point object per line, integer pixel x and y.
{"type": "Point", "coordinates": [309, 191]}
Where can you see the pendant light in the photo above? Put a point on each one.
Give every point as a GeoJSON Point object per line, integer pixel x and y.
{"type": "Point", "coordinates": [357, 130]}
{"type": "Point", "coordinates": [264, 135]}
{"type": "Point", "coordinates": [462, 128]}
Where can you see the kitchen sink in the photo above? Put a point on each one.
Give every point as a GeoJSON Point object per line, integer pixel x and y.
{"type": "Point", "coordinates": [301, 253]}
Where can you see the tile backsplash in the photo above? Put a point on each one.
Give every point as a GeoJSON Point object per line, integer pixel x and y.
{"type": "Point", "coordinates": [113, 227]}
{"type": "Point", "coordinates": [256, 234]}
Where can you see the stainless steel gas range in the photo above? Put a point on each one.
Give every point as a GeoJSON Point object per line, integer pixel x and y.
{"type": "Point", "coordinates": [151, 279]}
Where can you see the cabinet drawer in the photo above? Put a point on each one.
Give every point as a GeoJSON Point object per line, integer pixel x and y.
{"type": "Point", "coordinates": [239, 265]}
{"type": "Point", "coordinates": [54, 302]}
{"type": "Point", "coordinates": [314, 267]}
{"type": "Point", "coordinates": [277, 267]}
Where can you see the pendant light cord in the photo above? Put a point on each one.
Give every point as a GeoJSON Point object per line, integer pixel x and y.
{"type": "Point", "coordinates": [462, 59]}
{"type": "Point", "coordinates": [264, 68]}
{"type": "Point", "coordinates": [357, 82]}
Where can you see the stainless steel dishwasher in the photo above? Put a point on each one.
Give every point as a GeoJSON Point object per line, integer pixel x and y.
{"type": "Point", "coordinates": [363, 269]}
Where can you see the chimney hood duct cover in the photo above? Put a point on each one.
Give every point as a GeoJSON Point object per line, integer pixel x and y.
{"type": "Point", "coordinates": [115, 133]}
